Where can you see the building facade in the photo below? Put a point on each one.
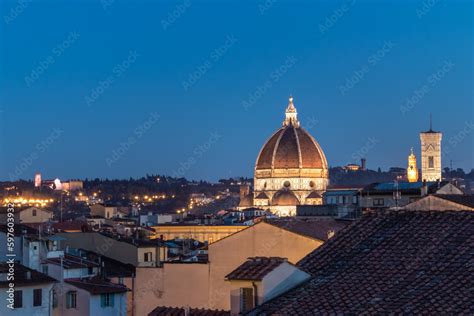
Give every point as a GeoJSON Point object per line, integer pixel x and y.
{"type": "Point", "coordinates": [28, 215]}
{"type": "Point", "coordinates": [202, 233]}
{"type": "Point", "coordinates": [31, 293]}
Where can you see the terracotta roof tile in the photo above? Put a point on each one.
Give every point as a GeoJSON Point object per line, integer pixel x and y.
{"type": "Point", "coordinates": [262, 195]}
{"type": "Point", "coordinates": [179, 311]}
{"type": "Point", "coordinates": [255, 268]}
{"type": "Point", "coordinates": [97, 286]}
{"type": "Point", "coordinates": [391, 262]}
{"type": "Point", "coordinates": [291, 147]}
{"type": "Point", "coordinates": [24, 276]}
{"type": "Point", "coordinates": [321, 228]}
{"type": "Point", "coordinates": [466, 200]}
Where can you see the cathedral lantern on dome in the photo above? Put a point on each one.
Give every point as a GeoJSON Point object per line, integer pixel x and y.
{"type": "Point", "coordinates": [412, 170]}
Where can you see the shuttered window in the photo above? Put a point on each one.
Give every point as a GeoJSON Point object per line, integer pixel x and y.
{"type": "Point", "coordinates": [107, 300]}
{"type": "Point", "coordinates": [71, 299]}
{"type": "Point", "coordinates": [246, 299]}
{"type": "Point", "coordinates": [37, 297]}
{"type": "Point", "coordinates": [18, 297]}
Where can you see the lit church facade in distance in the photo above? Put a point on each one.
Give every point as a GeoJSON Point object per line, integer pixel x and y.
{"type": "Point", "coordinates": [291, 169]}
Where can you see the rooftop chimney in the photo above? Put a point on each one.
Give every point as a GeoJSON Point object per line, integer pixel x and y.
{"type": "Point", "coordinates": [424, 189]}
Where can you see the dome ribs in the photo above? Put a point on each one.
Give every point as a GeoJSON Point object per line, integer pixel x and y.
{"type": "Point", "coordinates": [287, 151]}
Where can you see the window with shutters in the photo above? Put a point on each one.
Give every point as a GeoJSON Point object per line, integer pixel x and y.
{"type": "Point", "coordinates": [107, 300]}
{"type": "Point", "coordinates": [246, 299]}
{"type": "Point", "coordinates": [379, 202]}
{"type": "Point", "coordinates": [71, 299]}
{"type": "Point", "coordinates": [18, 297]}
{"type": "Point", "coordinates": [37, 297]}
{"type": "Point", "coordinates": [431, 162]}
{"type": "Point", "coordinates": [147, 256]}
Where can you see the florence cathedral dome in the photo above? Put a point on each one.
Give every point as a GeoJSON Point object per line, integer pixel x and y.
{"type": "Point", "coordinates": [291, 169]}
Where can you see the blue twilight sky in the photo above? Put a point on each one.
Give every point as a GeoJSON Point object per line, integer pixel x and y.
{"type": "Point", "coordinates": [117, 88]}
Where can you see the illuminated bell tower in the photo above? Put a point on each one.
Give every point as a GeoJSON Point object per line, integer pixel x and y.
{"type": "Point", "coordinates": [431, 155]}
{"type": "Point", "coordinates": [412, 170]}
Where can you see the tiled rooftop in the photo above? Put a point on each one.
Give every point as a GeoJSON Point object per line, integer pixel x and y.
{"type": "Point", "coordinates": [320, 228]}
{"type": "Point", "coordinates": [466, 200]}
{"type": "Point", "coordinates": [96, 286]}
{"type": "Point", "coordinates": [24, 276]}
{"type": "Point", "coordinates": [255, 268]}
{"type": "Point", "coordinates": [389, 262]}
{"type": "Point", "coordinates": [179, 311]}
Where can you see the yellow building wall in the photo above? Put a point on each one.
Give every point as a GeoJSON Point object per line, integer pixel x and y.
{"type": "Point", "coordinates": [207, 233]}
{"type": "Point", "coordinates": [176, 284]}
{"type": "Point", "coordinates": [201, 285]}
{"type": "Point", "coordinates": [263, 240]}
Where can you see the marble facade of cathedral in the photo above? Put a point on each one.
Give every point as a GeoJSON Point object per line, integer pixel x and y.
{"type": "Point", "coordinates": [291, 169]}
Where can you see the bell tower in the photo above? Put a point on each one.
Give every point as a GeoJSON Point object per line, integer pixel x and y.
{"type": "Point", "coordinates": [431, 154]}
{"type": "Point", "coordinates": [412, 170]}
